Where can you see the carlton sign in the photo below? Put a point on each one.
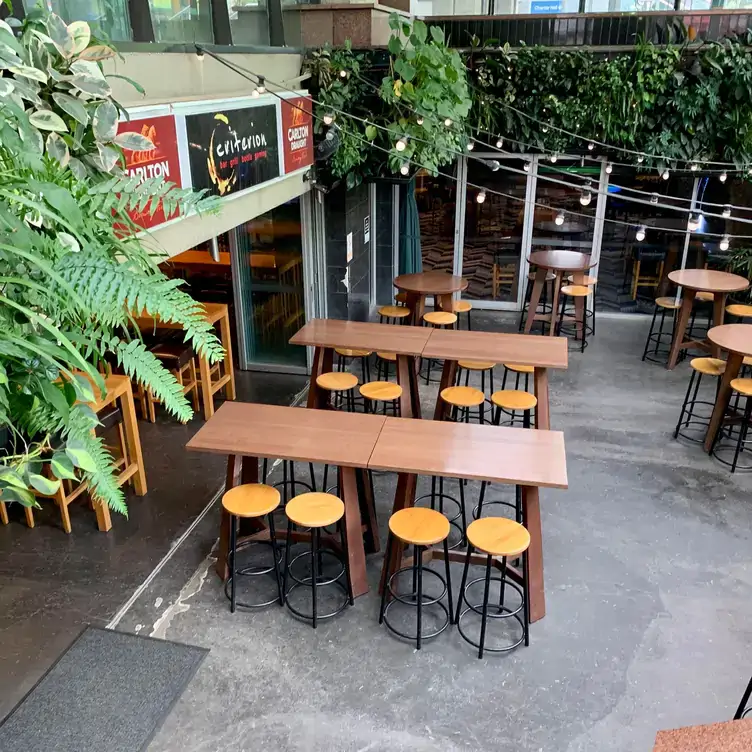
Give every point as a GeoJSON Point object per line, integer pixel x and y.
{"type": "Point", "coordinates": [297, 133]}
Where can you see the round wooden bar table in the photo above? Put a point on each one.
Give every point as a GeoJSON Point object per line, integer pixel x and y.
{"type": "Point", "coordinates": [439, 284]}
{"type": "Point", "coordinates": [693, 281]}
{"type": "Point", "coordinates": [736, 339]}
{"type": "Point", "coordinates": [557, 262]}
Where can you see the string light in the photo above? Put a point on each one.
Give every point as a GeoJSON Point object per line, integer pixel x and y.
{"type": "Point", "coordinates": [559, 219]}
{"type": "Point", "coordinates": [419, 120]}
{"type": "Point", "coordinates": [255, 93]}
{"type": "Point", "coordinates": [723, 177]}
{"type": "Point", "coordinates": [495, 165]}
{"type": "Point", "coordinates": [724, 244]}
{"type": "Point", "coordinates": [694, 222]}
{"type": "Point", "coordinates": [654, 198]}
{"type": "Point", "coordinates": [526, 166]}
{"type": "Point", "coordinates": [405, 168]}
{"type": "Point", "coordinates": [640, 159]}
{"type": "Point", "coordinates": [586, 196]}
{"type": "Point", "coordinates": [726, 213]}
{"type": "Point", "coordinates": [481, 197]}
{"type": "Point", "coordinates": [591, 146]}
{"type": "Point", "coordinates": [328, 118]}
{"type": "Point", "coordinates": [499, 143]}
{"type": "Point", "coordinates": [609, 168]}
{"type": "Point", "coordinates": [470, 145]}
{"type": "Point", "coordinates": [401, 145]}
{"type": "Point", "coordinates": [343, 74]}
{"type": "Point", "coordinates": [640, 234]}
{"type": "Point", "coordinates": [694, 167]}
{"type": "Point", "coordinates": [261, 88]}
{"type": "Point", "coordinates": [448, 122]}
{"type": "Point", "coordinates": [666, 174]}
{"type": "Point", "coordinates": [544, 128]}
{"type": "Point", "coordinates": [554, 157]}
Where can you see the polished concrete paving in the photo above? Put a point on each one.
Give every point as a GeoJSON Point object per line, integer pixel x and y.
{"type": "Point", "coordinates": [648, 587]}
{"type": "Point", "coordinates": [648, 590]}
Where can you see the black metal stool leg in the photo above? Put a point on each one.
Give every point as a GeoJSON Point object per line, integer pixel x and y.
{"type": "Point", "coordinates": [346, 560]}
{"type": "Point", "coordinates": [315, 572]}
{"type": "Point", "coordinates": [461, 595]}
{"type": "Point", "coordinates": [526, 596]}
{"type": "Point", "coordinates": [277, 573]}
{"type": "Point", "coordinates": [288, 543]}
{"type": "Point", "coordinates": [485, 607]}
{"type": "Point", "coordinates": [742, 432]}
{"type": "Point", "coordinates": [684, 404]}
{"type": "Point", "coordinates": [743, 704]}
{"type": "Point", "coordinates": [233, 554]}
{"type": "Point", "coordinates": [418, 561]}
{"type": "Point", "coordinates": [449, 580]}
{"type": "Point", "coordinates": [387, 556]}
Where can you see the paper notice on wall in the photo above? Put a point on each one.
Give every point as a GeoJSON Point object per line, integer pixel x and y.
{"type": "Point", "coordinates": [367, 229]}
{"type": "Point", "coordinates": [346, 279]}
{"type": "Point", "coordinates": [349, 247]}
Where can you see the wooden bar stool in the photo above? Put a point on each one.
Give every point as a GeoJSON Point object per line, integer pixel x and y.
{"type": "Point", "coordinates": [569, 294]}
{"type": "Point", "coordinates": [463, 306]}
{"type": "Point", "coordinates": [461, 399]}
{"type": "Point", "coordinates": [340, 385]}
{"type": "Point", "coordinates": [657, 337]}
{"type": "Point", "coordinates": [400, 299]}
{"type": "Point", "coordinates": [496, 536]}
{"type": "Point", "coordinates": [178, 358]}
{"type": "Point", "coordinates": [479, 366]}
{"type": "Point", "coordinates": [315, 511]}
{"type": "Point", "coordinates": [740, 387]}
{"type": "Point", "coordinates": [384, 361]}
{"type": "Point", "coordinates": [544, 307]}
{"type": "Point", "coordinates": [519, 370]}
{"type": "Point", "coordinates": [345, 355]}
{"type": "Point", "coordinates": [512, 401]}
{"type": "Point", "coordinates": [586, 280]}
{"type": "Point", "coordinates": [740, 310]}
{"type": "Point", "coordinates": [439, 320]}
{"type": "Point", "coordinates": [385, 392]}
{"type": "Point", "coordinates": [251, 501]}
{"type": "Point", "coordinates": [394, 314]}
{"type": "Point", "coordinates": [713, 367]}
{"type": "Point", "coordinates": [419, 528]}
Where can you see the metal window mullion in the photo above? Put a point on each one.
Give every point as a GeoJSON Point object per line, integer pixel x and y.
{"type": "Point", "coordinates": [459, 217]}
{"type": "Point", "coordinates": [220, 21]}
{"type": "Point", "coordinates": [372, 244]}
{"type": "Point", "coordinates": [685, 252]}
{"type": "Point", "coordinates": [307, 226]}
{"type": "Point", "coordinates": [600, 215]}
{"type": "Point", "coordinates": [237, 291]}
{"type": "Point", "coordinates": [139, 16]}
{"type": "Point", "coordinates": [395, 232]}
{"type": "Point", "coordinates": [527, 229]}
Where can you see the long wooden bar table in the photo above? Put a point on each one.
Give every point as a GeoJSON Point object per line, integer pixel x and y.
{"type": "Point", "coordinates": [246, 432]}
{"type": "Point", "coordinates": [452, 345]}
{"type": "Point", "coordinates": [406, 341]}
{"type": "Point", "coordinates": [515, 456]}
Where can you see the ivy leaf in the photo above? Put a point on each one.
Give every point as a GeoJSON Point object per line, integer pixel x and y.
{"type": "Point", "coordinates": [44, 485]}
{"type": "Point", "coordinates": [105, 122]}
{"type": "Point", "coordinates": [10, 478]}
{"type": "Point", "coordinates": [133, 141]}
{"type": "Point", "coordinates": [47, 120]}
{"type": "Point", "coordinates": [68, 241]}
{"type": "Point", "coordinates": [420, 32]}
{"type": "Point", "coordinates": [73, 106]}
{"type": "Point", "coordinates": [84, 389]}
{"type": "Point", "coordinates": [54, 394]}
{"type": "Point", "coordinates": [394, 46]}
{"type": "Point", "coordinates": [79, 456]}
{"type": "Point", "coordinates": [405, 69]}
{"type": "Point", "coordinates": [437, 34]}
{"type": "Point", "coordinates": [21, 495]}
{"type": "Point", "coordinates": [62, 467]}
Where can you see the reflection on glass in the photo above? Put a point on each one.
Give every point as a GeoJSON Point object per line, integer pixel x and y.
{"type": "Point", "coordinates": [181, 20]}
{"type": "Point", "coordinates": [436, 198]}
{"type": "Point", "coordinates": [493, 231]}
{"type": "Point", "coordinates": [249, 21]}
{"type": "Point", "coordinates": [108, 19]}
{"type": "Point", "coordinates": [632, 273]}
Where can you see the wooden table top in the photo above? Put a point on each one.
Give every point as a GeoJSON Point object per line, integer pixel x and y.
{"type": "Point", "coordinates": [468, 450]}
{"type": "Point", "coordinates": [708, 280]}
{"type": "Point", "coordinates": [563, 261]}
{"type": "Point", "coordinates": [195, 258]}
{"type": "Point", "coordinates": [527, 349]}
{"type": "Point", "coordinates": [732, 337]}
{"type": "Point", "coordinates": [430, 283]}
{"type": "Point", "coordinates": [730, 736]}
{"type": "Point", "coordinates": [290, 433]}
{"type": "Point", "coordinates": [214, 312]}
{"type": "Point", "coordinates": [360, 335]}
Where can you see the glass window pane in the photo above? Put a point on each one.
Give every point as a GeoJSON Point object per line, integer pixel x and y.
{"type": "Point", "coordinates": [493, 231]}
{"type": "Point", "coordinates": [382, 227]}
{"type": "Point", "coordinates": [632, 273]}
{"type": "Point", "coordinates": [249, 21]}
{"type": "Point", "coordinates": [108, 19]}
{"type": "Point", "coordinates": [436, 198]}
{"type": "Point", "coordinates": [181, 20]}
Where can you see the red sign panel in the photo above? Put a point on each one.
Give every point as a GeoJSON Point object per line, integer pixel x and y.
{"type": "Point", "coordinates": [160, 162]}
{"type": "Point", "coordinates": [297, 133]}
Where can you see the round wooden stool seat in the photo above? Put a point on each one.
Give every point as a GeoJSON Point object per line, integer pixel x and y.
{"type": "Point", "coordinates": [401, 298]}
{"type": "Point", "coordinates": [514, 399]}
{"type": "Point", "coordinates": [743, 386]}
{"type": "Point", "coordinates": [382, 391]}
{"type": "Point", "coordinates": [394, 312]}
{"type": "Point", "coordinates": [476, 365]}
{"type": "Point", "coordinates": [575, 291]}
{"type": "Point", "coordinates": [463, 396]}
{"type": "Point", "coordinates": [315, 509]}
{"type": "Point", "coordinates": [391, 357]}
{"type": "Point", "coordinates": [419, 526]}
{"type": "Point", "coordinates": [440, 318]}
{"type": "Point", "coordinates": [737, 309]}
{"type": "Point", "coordinates": [518, 368]}
{"type": "Point", "coordinates": [669, 303]}
{"type": "Point", "coordinates": [251, 500]}
{"type": "Point", "coordinates": [709, 366]}
{"type": "Point", "coordinates": [337, 381]}
{"type": "Point", "coordinates": [705, 297]}
{"type": "Point", "coordinates": [498, 536]}
{"type": "Point", "coordinates": [347, 352]}
{"type": "Point", "coordinates": [747, 360]}
{"type": "Point", "coordinates": [587, 280]}
{"type": "Point", "coordinates": [461, 306]}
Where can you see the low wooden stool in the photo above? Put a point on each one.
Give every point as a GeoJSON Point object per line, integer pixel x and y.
{"type": "Point", "coordinates": [339, 384]}
{"type": "Point", "coordinates": [740, 388]}
{"type": "Point", "coordinates": [656, 337]}
{"type": "Point", "coordinates": [385, 392]}
{"type": "Point", "coordinates": [570, 293]}
{"type": "Point", "coordinates": [496, 536]}
{"type": "Point", "coordinates": [178, 358]}
{"type": "Point", "coordinates": [463, 306]}
{"type": "Point", "coordinates": [315, 511]}
{"type": "Point", "coordinates": [394, 314]}
{"type": "Point", "coordinates": [249, 501]}
{"type": "Point", "coordinates": [439, 320]}
{"type": "Point", "coordinates": [713, 367]}
{"type": "Point", "coordinates": [419, 528]}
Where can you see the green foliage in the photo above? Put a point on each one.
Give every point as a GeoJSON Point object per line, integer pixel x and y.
{"type": "Point", "coordinates": [72, 272]}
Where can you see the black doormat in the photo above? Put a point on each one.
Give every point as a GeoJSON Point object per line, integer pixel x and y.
{"type": "Point", "coordinates": [108, 692]}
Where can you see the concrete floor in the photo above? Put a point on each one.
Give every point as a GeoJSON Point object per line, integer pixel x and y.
{"type": "Point", "coordinates": [648, 585]}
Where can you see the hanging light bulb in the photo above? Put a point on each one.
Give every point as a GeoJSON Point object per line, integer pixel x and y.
{"type": "Point", "coordinates": [694, 167]}
{"type": "Point", "coordinates": [553, 158]}
{"type": "Point", "coordinates": [526, 166]}
{"type": "Point", "coordinates": [726, 213]}
{"type": "Point", "coordinates": [609, 168]}
{"type": "Point", "coordinates": [499, 143]}
{"type": "Point", "coordinates": [666, 174]}
{"type": "Point", "coordinates": [545, 129]}
{"type": "Point", "coordinates": [694, 222]}
{"type": "Point", "coordinates": [590, 146]}
{"type": "Point", "coordinates": [448, 122]}
{"type": "Point", "coordinates": [343, 74]}
{"type": "Point", "coordinates": [481, 197]}
{"type": "Point", "coordinates": [654, 198]}
{"type": "Point", "coordinates": [640, 159]}
{"type": "Point", "coordinates": [723, 177]}
{"type": "Point", "coordinates": [495, 165]}
{"type": "Point", "coordinates": [640, 234]}
{"type": "Point", "coordinates": [328, 118]}
{"type": "Point", "coordinates": [419, 121]}
{"type": "Point", "coordinates": [405, 168]}
{"type": "Point", "coordinates": [255, 93]}
{"type": "Point", "coordinates": [559, 220]}
{"type": "Point", "coordinates": [724, 244]}
{"type": "Point", "coordinates": [261, 87]}
{"type": "Point", "coordinates": [401, 145]}
{"type": "Point", "coordinates": [470, 145]}
{"type": "Point", "coordinates": [586, 197]}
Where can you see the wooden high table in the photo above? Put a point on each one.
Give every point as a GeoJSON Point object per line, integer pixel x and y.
{"type": "Point", "coordinates": [731, 736]}
{"type": "Point", "coordinates": [736, 339]}
{"type": "Point", "coordinates": [452, 345]}
{"type": "Point", "coordinates": [693, 281]}
{"type": "Point", "coordinates": [216, 313]}
{"type": "Point", "coordinates": [516, 456]}
{"type": "Point", "coordinates": [439, 284]}
{"type": "Point", "coordinates": [557, 262]}
{"type": "Point", "coordinates": [406, 341]}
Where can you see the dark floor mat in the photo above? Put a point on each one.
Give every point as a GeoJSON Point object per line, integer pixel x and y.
{"type": "Point", "coordinates": [108, 691]}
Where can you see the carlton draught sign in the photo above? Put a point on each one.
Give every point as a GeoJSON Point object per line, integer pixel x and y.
{"type": "Point", "coordinates": [297, 133]}
{"type": "Point", "coordinates": [232, 150]}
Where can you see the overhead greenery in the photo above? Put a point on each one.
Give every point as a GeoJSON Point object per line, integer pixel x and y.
{"type": "Point", "coordinates": [72, 272]}
{"type": "Point", "coordinates": [682, 102]}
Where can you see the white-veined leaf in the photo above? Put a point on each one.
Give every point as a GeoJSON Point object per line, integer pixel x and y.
{"type": "Point", "coordinates": [28, 72]}
{"type": "Point", "coordinates": [69, 242]}
{"type": "Point", "coordinates": [97, 87]}
{"type": "Point", "coordinates": [86, 68]}
{"type": "Point", "coordinates": [78, 168]}
{"type": "Point", "coordinates": [79, 36]}
{"type": "Point", "coordinates": [58, 31]}
{"type": "Point", "coordinates": [73, 106]}
{"type": "Point", "coordinates": [47, 120]}
{"type": "Point", "coordinates": [44, 485]}
{"type": "Point", "coordinates": [108, 156]}
{"type": "Point", "coordinates": [6, 87]}
{"type": "Point", "coordinates": [133, 141]}
{"type": "Point", "coordinates": [58, 149]}
{"type": "Point", "coordinates": [97, 52]}
{"type": "Point", "coordinates": [28, 90]}
{"type": "Point", "coordinates": [105, 122]}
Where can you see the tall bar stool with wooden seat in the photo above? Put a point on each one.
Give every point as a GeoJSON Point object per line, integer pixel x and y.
{"type": "Point", "coordinates": [463, 306]}
{"type": "Point", "coordinates": [400, 299]}
{"type": "Point", "coordinates": [251, 501]}
{"type": "Point", "coordinates": [345, 355]}
{"type": "Point", "coordinates": [439, 320]}
{"type": "Point", "coordinates": [461, 400]}
{"type": "Point", "coordinates": [315, 511]}
{"type": "Point", "coordinates": [587, 280]}
{"type": "Point", "coordinates": [688, 416]}
{"type": "Point", "coordinates": [639, 277]}
{"type": "Point", "coordinates": [656, 338]}
{"type": "Point", "coordinates": [384, 393]}
{"type": "Point", "coordinates": [384, 363]}
{"type": "Point", "coordinates": [477, 366]}
{"type": "Point", "coordinates": [393, 314]}
{"type": "Point", "coordinates": [740, 310]}
{"type": "Point", "coordinates": [544, 307]}
{"type": "Point", "coordinates": [341, 387]}
{"type": "Point", "coordinates": [519, 370]}
{"type": "Point", "coordinates": [178, 358]}
{"type": "Point", "coordinates": [496, 536]}
{"type": "Point", "coordinates": [419, 528]}
{"type": "Point", "coordinates": [741, 388]}
{"type": "Point", "coordinates": [569, 294]}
